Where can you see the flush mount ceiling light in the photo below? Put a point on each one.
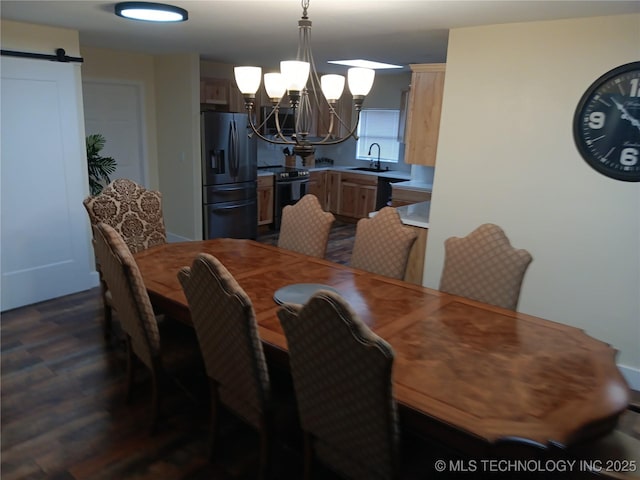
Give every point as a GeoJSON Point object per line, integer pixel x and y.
{"type": "Point", "coordinates": [308, 95]}
{"type": "Point", "coordinates": [365, 64]}
{"type": "Point", "coordinates": [151, 12]}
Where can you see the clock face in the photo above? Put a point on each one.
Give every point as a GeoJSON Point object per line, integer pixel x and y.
{"type": "Point", "coordinates": [606, 125]}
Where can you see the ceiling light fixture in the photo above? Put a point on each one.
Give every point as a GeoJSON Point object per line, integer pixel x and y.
{"type": "Point", "coordinates": [308, 94]}
{"type": "Point", "coordinates": [365, 64]}
{"type": "Point", "coordinates": [151, 12]}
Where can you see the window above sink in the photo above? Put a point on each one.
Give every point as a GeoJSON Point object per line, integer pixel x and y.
{"type": "Point", "coordinates": [379, 127]}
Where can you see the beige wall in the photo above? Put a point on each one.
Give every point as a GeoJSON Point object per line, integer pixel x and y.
{"type": "Point", "coordinates": [26, 37]}
{"type": "Point", "coordinates": [113, 65]}
{"type": "Point", "coordinates": [170, 85]}
{"type": "Point", "coordinates": [506, 155]}
{"type": "Point", "coordinates": [178, 121]}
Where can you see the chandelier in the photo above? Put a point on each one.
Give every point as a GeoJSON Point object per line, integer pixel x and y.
{"type": "Point", "coordinates": [307, 93]}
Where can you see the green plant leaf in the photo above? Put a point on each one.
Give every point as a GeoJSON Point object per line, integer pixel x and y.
{"type": "Point", "coordinates": [99, 167]}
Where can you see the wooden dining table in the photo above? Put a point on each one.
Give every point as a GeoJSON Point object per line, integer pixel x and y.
{"type": "Point", "coordinates": [466, 373]}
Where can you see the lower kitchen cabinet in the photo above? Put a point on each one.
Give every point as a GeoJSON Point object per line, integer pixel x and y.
{"type": "Point", "coordinates": [318, 187]}
{"type": "Point", "coordinates": [265, 199]}
{"type": "Point", "coordinates": [402, 196]}
{"type": "Point", "coordinates": [332, 189]}
{"type": "Point", "coordinates": [357, 195]}
{"type": "Point", "coordinates": [415, 263]}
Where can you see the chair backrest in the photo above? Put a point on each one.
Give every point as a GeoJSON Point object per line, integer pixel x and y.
{"type": "Point", "coordinates": [134, 211]}
{"type": "Point", "coordinates": [227, 332]}
{"type": "Point", "coordinates": [342, 379]}
{"type": "Point", "coordinates": [484, 266]}
{"type": "Point", "coordinates": [128, 292]}
{"type": "Point", "coordinates": [382, 244]}
{"type": "Point", "coordinates": [305, 227]}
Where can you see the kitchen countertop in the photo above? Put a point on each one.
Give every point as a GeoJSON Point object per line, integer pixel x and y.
{"type": "Point", "coordinates": [414, 185]}
{"type": "Point", "coordinates": [396, 174]}
{"type": "Point", "coordinates": [416, 214]}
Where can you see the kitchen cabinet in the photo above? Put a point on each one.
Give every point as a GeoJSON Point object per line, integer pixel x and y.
{"type": "Point", "coordinates": [415, 262]}
{"type": "Point", "coordinates": [332, 189]}
{"type": "Point", "coordinates": [343, 108]}
{"type": "Point", "coordinates": [265, 199]}
{"type": "Point", "coordinates": [402, 196]}
{"type": "Point", "coordinates": [236, 100]}
{"type": "Point", "coordinates": [357, 195]}
{"type": "Point", "coordinates": [423, 113]}
{"type": "Point", "coordinates": [221, 94]}
{"type": "Point", "coordinates": [214, 91]}
{"type": "Point", "coordinates": [318, 186]}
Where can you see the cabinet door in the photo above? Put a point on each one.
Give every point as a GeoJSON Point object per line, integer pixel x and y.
{"type": "Point", "coordinates": [357, 194]}
{"type": "Point", "coordinates": [236, 100]}
{"type": "Point", "coordinates": [265, 200]}
{"type": "Point", "coordinates": [349, 196]}
{"type": "Point", "coordinates": [214, 91]}
{"type": "Point", "coordinates": [423, 118]}
{"type": "Point", "coordinates": [366, 200]}
{"type": "Point", "coordinates": [317, 186]}
{"type": "Point", "coordinates": [333, 192]}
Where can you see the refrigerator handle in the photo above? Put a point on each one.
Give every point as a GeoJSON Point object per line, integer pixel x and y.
{"type": "Point", "coordinates": [232, 150]}
{"type": "Point", "coordinates": [236, 150]}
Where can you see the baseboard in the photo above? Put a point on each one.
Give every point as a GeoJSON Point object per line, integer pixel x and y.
{"type": "Point", "coordinates": [631, 375]}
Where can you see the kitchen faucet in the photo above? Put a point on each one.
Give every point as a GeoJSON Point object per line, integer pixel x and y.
{"type": "Point", "coordinates": [370, 147]}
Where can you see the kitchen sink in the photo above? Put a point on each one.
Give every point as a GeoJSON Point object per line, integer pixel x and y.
{"type": "Point", "coordinates": [369, 169]}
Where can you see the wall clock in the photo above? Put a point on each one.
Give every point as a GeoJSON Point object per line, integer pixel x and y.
{"type": "Point", "coordinates": [606, 125]}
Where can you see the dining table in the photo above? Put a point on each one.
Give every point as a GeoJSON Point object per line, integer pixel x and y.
{"type": "Point", "coordinates": [468, 374]}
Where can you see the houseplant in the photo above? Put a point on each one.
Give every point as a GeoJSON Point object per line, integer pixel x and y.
{"type": "Point", "coordinates": [99, 167]}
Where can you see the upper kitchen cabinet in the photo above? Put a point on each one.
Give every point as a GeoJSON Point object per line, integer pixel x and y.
{"type": "Point", "coordinates": [423, 113]}
{"type": "Point", "coordinates": [214, 91]}
{"type": "Point", "coordinates": [343, 108]}
{"type": "Point", "coordinates": [220, 94]}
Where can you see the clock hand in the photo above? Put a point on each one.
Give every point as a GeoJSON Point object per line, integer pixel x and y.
{"type": "Point", "coordinates": [625, 115]}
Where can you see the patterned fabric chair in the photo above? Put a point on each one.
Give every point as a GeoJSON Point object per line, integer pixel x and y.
{"type": "Point", "coordinates": [227, 332]}
{"type": "Point", "coordinates": [342, 379]}
{"type": "Point", "coordinates": [484, 266]}
{"type": "Point", "coordinates": [131, 300]}
{"type": "Point", "coordinates": [135, 213]}
{"type": "Point", "coordinates": [382, 244]}
{"type": "Point", "coordinates": [305, 227]}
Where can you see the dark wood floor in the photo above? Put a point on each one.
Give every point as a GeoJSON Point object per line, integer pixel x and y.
{"type": "Point", "coordinates": [64, 414]}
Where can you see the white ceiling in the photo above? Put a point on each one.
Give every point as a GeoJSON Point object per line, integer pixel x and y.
{"type": "Point", "coordinates": [262, 32]}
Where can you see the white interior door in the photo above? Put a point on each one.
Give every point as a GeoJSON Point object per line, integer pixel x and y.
{"type": "Point", "coordinates": [45, 241]}
{"type": "Point", "coordinates": [114, 109]}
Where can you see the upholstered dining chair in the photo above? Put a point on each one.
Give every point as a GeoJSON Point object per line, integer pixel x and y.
{"type": "Point", "coordinates": [342, 380]}
{"type": "Point", "coordinates": [382, 244]}
{"type": "Point", "coordinates": [136, 214]}
{"type": "Point", "coordinates": [484, 266]}
{"type": "Point", "coordinates": [305, 227]}
{"type": "Point", "coordinates": [131, 300]}
{"type": "Point", "coordinates": [227, 332]}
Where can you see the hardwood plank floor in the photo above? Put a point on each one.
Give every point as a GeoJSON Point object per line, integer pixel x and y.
{"type": "Point", "coordinates": [64, 414]}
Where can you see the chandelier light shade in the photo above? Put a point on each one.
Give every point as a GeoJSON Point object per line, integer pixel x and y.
{"type": "Point", "coordinates": [307, 93]}
{"type": "Point", "coordinates": [248, 79]}
{"type": "Point", "coordinates": [274, 85]}
{"type": "Point", "coordinates": [151, 12]}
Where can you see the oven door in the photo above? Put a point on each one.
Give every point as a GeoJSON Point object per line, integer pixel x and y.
{"type": "Point", "coordinates": [288, 193]}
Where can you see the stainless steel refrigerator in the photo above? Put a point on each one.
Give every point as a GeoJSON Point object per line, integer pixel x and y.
{"type": "Point", "coordinates": [229, 176]}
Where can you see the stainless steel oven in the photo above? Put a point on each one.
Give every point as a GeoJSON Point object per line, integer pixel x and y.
{"type": "Point", "coordinates": [290, 184]}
